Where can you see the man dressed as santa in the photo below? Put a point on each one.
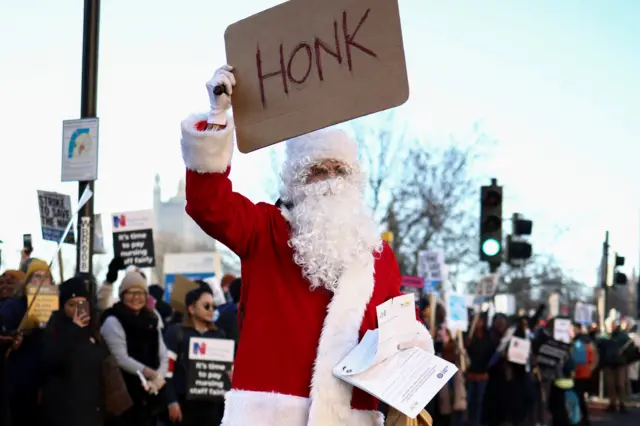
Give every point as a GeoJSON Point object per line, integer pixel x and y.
{"type": "Point", "coordinates": [314, 269]}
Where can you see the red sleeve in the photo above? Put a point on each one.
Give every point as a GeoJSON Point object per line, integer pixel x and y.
{"type": "Point", "coordinates": [222, 213]}
{"type": "Point", "coordinates": [225, 215]}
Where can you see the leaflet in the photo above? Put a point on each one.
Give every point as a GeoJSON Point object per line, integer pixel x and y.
{"type": "Point", "coordinates": [406, 380]}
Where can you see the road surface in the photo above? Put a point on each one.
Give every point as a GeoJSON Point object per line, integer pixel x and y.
{"type": "Point", "coordinates": [599, 417]}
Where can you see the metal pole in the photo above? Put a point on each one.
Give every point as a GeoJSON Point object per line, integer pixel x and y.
{"type": "Point", "coordinates": [605, 295]}
{"type": "Point", "coordinates": [91, 30]}
{"type": "Point", "coordinates": [605, 271]}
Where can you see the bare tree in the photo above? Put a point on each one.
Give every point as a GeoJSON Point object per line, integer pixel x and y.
{"type": "Point", "coordinates": [423, 193]}
{"type": "Point", "coordinates": [533, 283]}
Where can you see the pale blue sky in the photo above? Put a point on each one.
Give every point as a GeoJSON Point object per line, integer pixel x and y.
{"type": "Point", "coordinates": [556, 83]}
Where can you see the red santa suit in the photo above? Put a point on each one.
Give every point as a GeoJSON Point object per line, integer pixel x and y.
{"type": "Point", "coordinates": [292, 337]}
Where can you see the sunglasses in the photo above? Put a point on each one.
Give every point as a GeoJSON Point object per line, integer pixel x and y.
{"type": "Point", "coordinates": [322, 171]}
{"type": "Point", "coordinates": [207, 307]}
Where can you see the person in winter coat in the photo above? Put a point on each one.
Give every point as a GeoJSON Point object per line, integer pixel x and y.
{"type": "Point", "coordinates": [564, 404]}
{"type": "Point", "coordinates": [494, 409]}
{"type": "Point", "coordinates": [73, 392]}
{"type": "Point", "coordinates": [9, 282]}
{"type": "Point", "coordinates": [198, 323]}
{"type": "Point", "coordinates": [131, 333]}
{"type": "Point", "coordinates": [228, 313]}
{"type": "Point", "coordinates": [452, 398]}
{"type": "Point", "coordinates": [616, 371]}
{"type": "Point", "coordinates": [584, 355]}
{"type": "Point", "coordinates": [480, 349]}
{"type": "Point", "coordinates": [23, 366]}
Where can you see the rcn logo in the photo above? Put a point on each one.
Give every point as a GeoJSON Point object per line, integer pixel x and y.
{"type": "Point", "coordinates": [119, 221]}
{"type": "Point", "coordinates": [199, 348]}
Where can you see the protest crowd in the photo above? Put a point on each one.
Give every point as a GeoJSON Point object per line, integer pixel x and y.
{"type": "Point", "coordinates": [136, 359]}
{"type": "Point", "coordinates": [320, 328]}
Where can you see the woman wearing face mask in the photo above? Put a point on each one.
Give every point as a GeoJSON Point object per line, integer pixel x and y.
{"type": "Point", "coordinates": [73, 392]}
{"type": "Point", "coordinates": [198, 322]}
{"type": "Point", "coordinates": [133, 337]}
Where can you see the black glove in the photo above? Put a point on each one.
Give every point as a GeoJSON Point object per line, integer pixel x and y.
{"type": "Point", "coordinates": [114, 267]}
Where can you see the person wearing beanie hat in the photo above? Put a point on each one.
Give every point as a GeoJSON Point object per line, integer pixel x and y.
{"type": "Point", "coordinates": [133, 335]}
{"type": "Point", "coordinates": [308, 266]}
{"type": "Point", "coordinates": [73, 358]}
{"type": "Point", "coordinates": [25, 360]}
{"type": "Point", "coordinates": [133, 280]}
{"type": "Point", "coordinates": [38, 272]}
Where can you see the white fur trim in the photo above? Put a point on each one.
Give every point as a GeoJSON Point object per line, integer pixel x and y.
{"type": "Point", "coordinates": [243, 408]}
{"type": "Point", "coordinates": [208, 151]}
{"type": "Point", "coordinates": [330, 396]}
{"type": "Point", "coordinates": [329, 143]}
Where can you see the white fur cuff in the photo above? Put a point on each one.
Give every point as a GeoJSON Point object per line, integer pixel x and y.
{"type": "Point", "coordinates": [207, 151]}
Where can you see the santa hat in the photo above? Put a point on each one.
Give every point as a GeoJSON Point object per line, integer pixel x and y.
{"type": "Point", "coordinates": [326, 144]}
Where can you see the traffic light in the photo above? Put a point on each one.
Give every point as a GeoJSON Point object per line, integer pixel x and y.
{"type": "Point", "coordinates": [518, 248]}
{"type": "Point", "coordinates": [491, 224]}
{"type": "Point", "coordinates": [619, 278]}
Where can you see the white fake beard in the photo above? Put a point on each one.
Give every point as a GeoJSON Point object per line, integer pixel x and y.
{"type": "Point", "coordinates": [331, 229]}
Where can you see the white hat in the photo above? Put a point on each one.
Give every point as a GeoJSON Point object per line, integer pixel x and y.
{"type": "Point", "coordinates": [326, 144]}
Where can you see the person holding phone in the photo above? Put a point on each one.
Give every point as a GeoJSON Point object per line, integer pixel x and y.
{"type": "Point", "coordinates": [73, 392]}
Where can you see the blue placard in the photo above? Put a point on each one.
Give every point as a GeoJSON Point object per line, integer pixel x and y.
{"type": "Point", "coordinates": [430, 286]}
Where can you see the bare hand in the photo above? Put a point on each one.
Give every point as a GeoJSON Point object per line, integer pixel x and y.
{"type": "Point", "coordinates": [81, 320]}
{"type": "Point", "coordinates": [17, 341]}
{"type": "Point", "coordinates": [149, 373]}
{"type": "Point", "coordinates": [175, 413]}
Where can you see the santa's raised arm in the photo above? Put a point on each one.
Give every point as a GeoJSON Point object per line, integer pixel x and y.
{"type": "Point", "coordinates": [314, 269]}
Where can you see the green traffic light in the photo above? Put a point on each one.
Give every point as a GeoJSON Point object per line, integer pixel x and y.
{"type": "Point", "coordinates": [491, 247]}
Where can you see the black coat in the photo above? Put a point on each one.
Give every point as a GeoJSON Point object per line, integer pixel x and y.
{"type": "Point", "coordinates": [73, 392]}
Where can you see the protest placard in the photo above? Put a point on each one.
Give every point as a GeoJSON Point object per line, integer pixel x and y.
{"type": "Point", "coordinates": [55, 214]}
{"type": "Point", "coordinates": [307, 64]}
{"type": "Point", "coordinates": [133, 238]}
{"type": "Point", "coordinates": [210, 362]}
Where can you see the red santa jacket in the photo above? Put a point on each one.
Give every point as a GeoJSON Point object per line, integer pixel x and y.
{"type": "Point", "coordinates": [292, 337]}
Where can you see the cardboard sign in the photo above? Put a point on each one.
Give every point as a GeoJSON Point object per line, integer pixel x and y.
{"type": "Point", "coordinates": [308, 64]}
{"type": "Point", "coordinates": [210, 361]}
{"type": "Point", "coordinates": [181, 286]}
{"type": "Point", "coordinates": [55, 214]}
{"type": "Point", "coordinates": [46, 302]}
{"type": "Point", "coordinates": [133, 238]}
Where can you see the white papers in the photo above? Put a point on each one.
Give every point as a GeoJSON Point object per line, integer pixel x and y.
{"type": "Point", "coordinates": [396, 324]}
{"type": "Point", "coordinates": [518, 352]}
{"type": "Point", "coordinates": [406, 380]}
{"type": "Point", "coordinates": [562, 330]}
